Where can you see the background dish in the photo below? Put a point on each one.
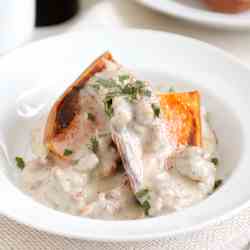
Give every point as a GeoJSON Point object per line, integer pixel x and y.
{"type": "Point", "coordinates": [45, 68]}
{"type": "Point", "coordinates": [196, 11]}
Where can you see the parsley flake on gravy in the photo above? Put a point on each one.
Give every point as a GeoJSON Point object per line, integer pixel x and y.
{"type": "Point", "coordinates": [67, 152]}
{"type": "Point", "coordinates": [217, 184]}
{"type": "Point", "coordinates": [156, 109]}
{"type": "Point", "coordinates": [171, 90]}
{"type": "Point", "coordinates": [20, 162]}
{"type": "Point", "coordinates": [142, 193]}
{"type": "Point", "coordinates": [90, 117]}
{"type": "Point", "coordinates": [123, 78]}
{"type": "Point", "coordinates": [94, 144]}
{"type": "Point", "coordinates": [143, 198]}
{"type": "Point", "coordinates": [215, 161]}
{"type": "Point", "coordinates": [123, 86]}
{"type": "Point", "coordinates": [75, 162]}
{"type": "Point", "coordinates": [108, 106]}
{"type": "Point", "coordinates": [146, 206]}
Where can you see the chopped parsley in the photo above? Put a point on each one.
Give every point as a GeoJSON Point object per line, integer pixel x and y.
{"type": "Point", "coordinates": [131, 90]}
{"type": "Point", "coordinates": [147, 92]}
{"type": "Point", "coordinates": [104, 134]}
{"type": "Point", "coordinates": [171, 89]}
{"type": "Point", "coordinates": [215, 161]}
{"type": "Point", "coordinates": [141, 88]}
{"type": "Point", "coordinates": [123, 78]}
{"type": "Point", "coordinates": [142, 193]}
{"type": "Point", "coordinates": [156, 109]}
{"type": "Point", "coordinates": [94, 144]}
{"type": "Point", "coordinates": [75, 162]}
{"type": "Point", "coordinates": [96, 86]}
{"type": "Point", "coordinates": [106, 83]}
{"type": "Point", "coordinates": [146, 206]}
{"type": "Point", "coordinates": [143, 198]}
{"type": "Point", "coordinates": [217, 184]}
{"type": "Point", "coordinates": [90, 117]}
{"type": "Point", "coordinates": [67, 152]}
{"type": "Point", "coordinates": [20, 162]}
{"type": "Point", "coordinates": [108, 101]}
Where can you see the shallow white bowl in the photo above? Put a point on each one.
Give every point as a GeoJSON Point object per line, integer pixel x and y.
{"type": "Point", "coordinates": [43, 69]}
{"type": "Point", "coordinates": [197, 12]}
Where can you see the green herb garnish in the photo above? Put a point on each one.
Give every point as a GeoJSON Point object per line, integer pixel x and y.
{"type": "Point", "coordinates": [94, 144]}
{"type": "Point", "coordinates": [106, 83]}
{"type": "Point", "coordinates": [147, 93]}
{"type": "Point", "coordinates": [142, 193]}
{"type": "Point", "coordinates": [131, 90]}
{"type": "Point", "coordinates": [217, 184]}
{"type": "Point", "coordinates": [67, 152]}
{"type": "Point", "coordinates": [146, 206]}
{"type": "Point", "coordinates": [123, 78]}
{"type": "Point", "coordinates": [90, 117]}
{"type": "Point", "coordinates": [156, 109]}
{"type": "Point", "coordinates": [75, 162]}
{"type": "Point", "coordinates": [108, 106]}
{"type": "Point", "coordinates": [143, 198]}
{"type": "Point", "coordinates": [141, 88]}
{"type": "Point", "coordinates": [96, 86]}
{"type": "Point", "coordinates": [20, 162]}
{"type": "Point", "coordinates": [171, 89]}
{"type": "Point", "coordinates": [215, 161]}
{"type": "Point", "coordinates": [104, 134]}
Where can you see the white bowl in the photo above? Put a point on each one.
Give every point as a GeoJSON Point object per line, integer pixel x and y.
{"type": "Point", "coordinates": [46, 67]}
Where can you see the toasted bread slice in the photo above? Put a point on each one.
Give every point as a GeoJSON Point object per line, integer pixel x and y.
{"type": "Point", "coordinates": [181, 111]}
{"type": "Point", "coordinates": [63, 122]}
{"type": "Point", "coordinates": [182, 114]}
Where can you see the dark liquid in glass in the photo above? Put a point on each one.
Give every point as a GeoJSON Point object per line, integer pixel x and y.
{"type": "Point", "coordinates": [49, 12]}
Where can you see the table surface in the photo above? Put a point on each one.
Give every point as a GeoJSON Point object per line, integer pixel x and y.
{"type": "Point", "coordinates": [128, 13]}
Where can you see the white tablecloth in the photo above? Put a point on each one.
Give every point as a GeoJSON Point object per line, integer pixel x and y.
{"type": "Point", "coordinates": [231, 235]}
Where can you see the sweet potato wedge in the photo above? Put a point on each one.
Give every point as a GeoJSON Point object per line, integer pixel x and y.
{"type": "Point", "coordinates": [182, 114]}
{"type": "Point", "coordinates": [64, 118]}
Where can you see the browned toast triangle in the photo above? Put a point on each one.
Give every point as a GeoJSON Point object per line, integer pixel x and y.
{"type": "Point", "coordinates": [181, 111]}
{"type": "Point", "coordinates": [182, 115]}
{"type": "Point", "coordinates": [64, 115]}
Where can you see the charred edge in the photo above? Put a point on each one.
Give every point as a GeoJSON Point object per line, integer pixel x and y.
{"type": "Point", "coordinates": [68, 108]}
{"type": "Point", "coordinates": [192, 138]}
{"type": "Point", "coordinates": [70, 104]}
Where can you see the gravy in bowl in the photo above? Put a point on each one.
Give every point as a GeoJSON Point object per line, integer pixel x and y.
{"type": "Point", "coordinates": [123, 159]}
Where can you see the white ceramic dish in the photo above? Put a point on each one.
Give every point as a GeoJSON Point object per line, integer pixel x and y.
{"type": "Point", "coordinates": [45, 68]}
{"type": "Point", "coordinates": [195, 11]}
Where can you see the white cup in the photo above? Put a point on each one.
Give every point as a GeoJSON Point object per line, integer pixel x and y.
{"type": "Point", "coordinates": [17, 21]}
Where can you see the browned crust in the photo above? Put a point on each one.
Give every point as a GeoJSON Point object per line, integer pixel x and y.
{"type": "Point", "coordinates": [63, 115]}
{"type": "Point", "coordinates": [228, 6]}
{"type": "Point", "coordinates": [182, 113]}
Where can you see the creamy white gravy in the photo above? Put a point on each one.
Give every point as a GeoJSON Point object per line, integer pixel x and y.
{"type": "Point", "coordinates": [91, 187]}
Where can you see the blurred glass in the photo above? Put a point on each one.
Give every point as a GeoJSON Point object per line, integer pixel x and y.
{"type": "Point", "coordinates": [49, 12]}
{"type": "Point", "coordinates": [17, 18]}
